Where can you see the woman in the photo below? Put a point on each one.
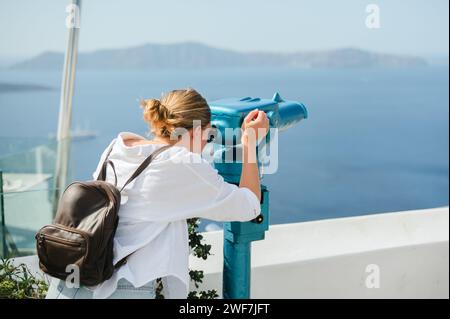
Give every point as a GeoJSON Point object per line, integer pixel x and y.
{"type": "Point", "coordinates": [177, 185]}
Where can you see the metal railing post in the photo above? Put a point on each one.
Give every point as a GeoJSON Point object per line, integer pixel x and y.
{"type": "Point", "coordinates": [3, 248]}
{"type": "Point", "coordinates": [65, 108]}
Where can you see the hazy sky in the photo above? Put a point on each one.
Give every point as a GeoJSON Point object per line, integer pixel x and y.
{"type": "Point", "coordinates": [421, 27]}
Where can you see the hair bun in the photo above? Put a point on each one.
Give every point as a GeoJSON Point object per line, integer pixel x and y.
{"type": "Point", "coordinates": [156, 112]}
{"type": "Point", "coordinates": [176, 109]}
{"type": "Point", "coordinates": [153, 110]}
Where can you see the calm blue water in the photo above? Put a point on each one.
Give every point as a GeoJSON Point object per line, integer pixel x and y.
{"type": "Point", "coordinates": [375, 140]}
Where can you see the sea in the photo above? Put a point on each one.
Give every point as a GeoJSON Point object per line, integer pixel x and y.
{"type": "Point", "coordinates": [376, 140]}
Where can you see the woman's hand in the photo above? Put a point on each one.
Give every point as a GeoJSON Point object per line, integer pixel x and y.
{"type": "Point", "coordinates": [255, 126]}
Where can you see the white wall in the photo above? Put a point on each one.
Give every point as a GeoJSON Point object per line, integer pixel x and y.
{"type": "Point", "coordinates": [329, 258]}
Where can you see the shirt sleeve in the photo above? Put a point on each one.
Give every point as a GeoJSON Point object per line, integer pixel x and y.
{"type": "Point", "coordinates": [218, 200]}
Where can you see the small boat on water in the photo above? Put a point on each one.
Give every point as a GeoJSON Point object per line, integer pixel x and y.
{"type": "Point", "coordinates": [79, 134]}
{"type": "Point", "coordinates": [82, 134]}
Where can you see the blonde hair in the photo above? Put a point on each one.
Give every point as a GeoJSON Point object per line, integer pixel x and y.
{"type": "Point", "coordinates": [175, 109]}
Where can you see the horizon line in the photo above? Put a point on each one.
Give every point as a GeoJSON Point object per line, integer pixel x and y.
{"type": "Point", "coordinates": [420, 55]}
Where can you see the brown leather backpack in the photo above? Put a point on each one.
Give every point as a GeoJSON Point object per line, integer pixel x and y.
{"type": "Point", "coordinates": [84, 227]}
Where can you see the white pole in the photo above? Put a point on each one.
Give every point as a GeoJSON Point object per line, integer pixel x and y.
{"type": "Point", "coordinates": [65, 107]}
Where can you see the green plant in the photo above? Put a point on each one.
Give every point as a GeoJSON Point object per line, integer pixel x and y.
{"type": "Point", "coordinates": [199, 250]}
{"type": "Point", "coordinates": [17, 282]}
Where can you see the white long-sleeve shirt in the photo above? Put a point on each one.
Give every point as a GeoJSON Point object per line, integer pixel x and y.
{"type": "Point", "coordinates": [177, 185]}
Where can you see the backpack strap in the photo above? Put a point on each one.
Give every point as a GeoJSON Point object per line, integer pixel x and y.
{"type": "Point", "coordinates": [144, 164]}
{"type": "Point", "coordinates": [102, 174]}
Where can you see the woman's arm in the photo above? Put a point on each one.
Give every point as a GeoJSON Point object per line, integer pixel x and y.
{"type": "Point", "coordinates": [255, 127]}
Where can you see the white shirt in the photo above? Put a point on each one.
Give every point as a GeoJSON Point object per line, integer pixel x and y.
{"type": "Point", "coordinates": [177, 185]}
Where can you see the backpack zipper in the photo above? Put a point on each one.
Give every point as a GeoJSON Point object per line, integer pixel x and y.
{"type": "Point", "coordinates": [43, 238]}
{"type": "Point", "coordinates": [84, 234]}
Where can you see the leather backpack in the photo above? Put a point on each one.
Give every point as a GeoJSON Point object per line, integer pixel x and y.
{"type": "Point", "coordinates": [82, 233]}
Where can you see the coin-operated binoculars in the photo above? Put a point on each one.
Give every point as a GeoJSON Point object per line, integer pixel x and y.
{"type": "Point", "coordinates": [227, 118]}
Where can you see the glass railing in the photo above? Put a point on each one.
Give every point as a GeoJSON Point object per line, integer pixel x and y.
{"type": "Point", "coordinates": [28, 197]}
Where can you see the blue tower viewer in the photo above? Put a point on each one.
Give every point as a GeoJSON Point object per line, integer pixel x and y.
{"type": "Point", "coordinates": [228, 114]}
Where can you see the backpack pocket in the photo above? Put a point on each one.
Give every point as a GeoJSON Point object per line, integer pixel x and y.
{"type": "Point", "coordinates": [60, 249]}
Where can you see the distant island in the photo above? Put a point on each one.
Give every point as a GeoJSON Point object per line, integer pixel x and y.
{"type": "Point", "coordinates": [193, 55]}
{"type": "Point", "coordinates": [15, 87]}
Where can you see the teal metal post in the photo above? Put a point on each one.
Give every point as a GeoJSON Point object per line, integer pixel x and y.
{"type": "Point", "coordinates": [238, 237]}
{"type": "Point", "coordinates": [236, 265]}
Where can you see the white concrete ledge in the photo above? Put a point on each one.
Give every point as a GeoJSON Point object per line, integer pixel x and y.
{"type": "Point", "coordinates": [329, 258]}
